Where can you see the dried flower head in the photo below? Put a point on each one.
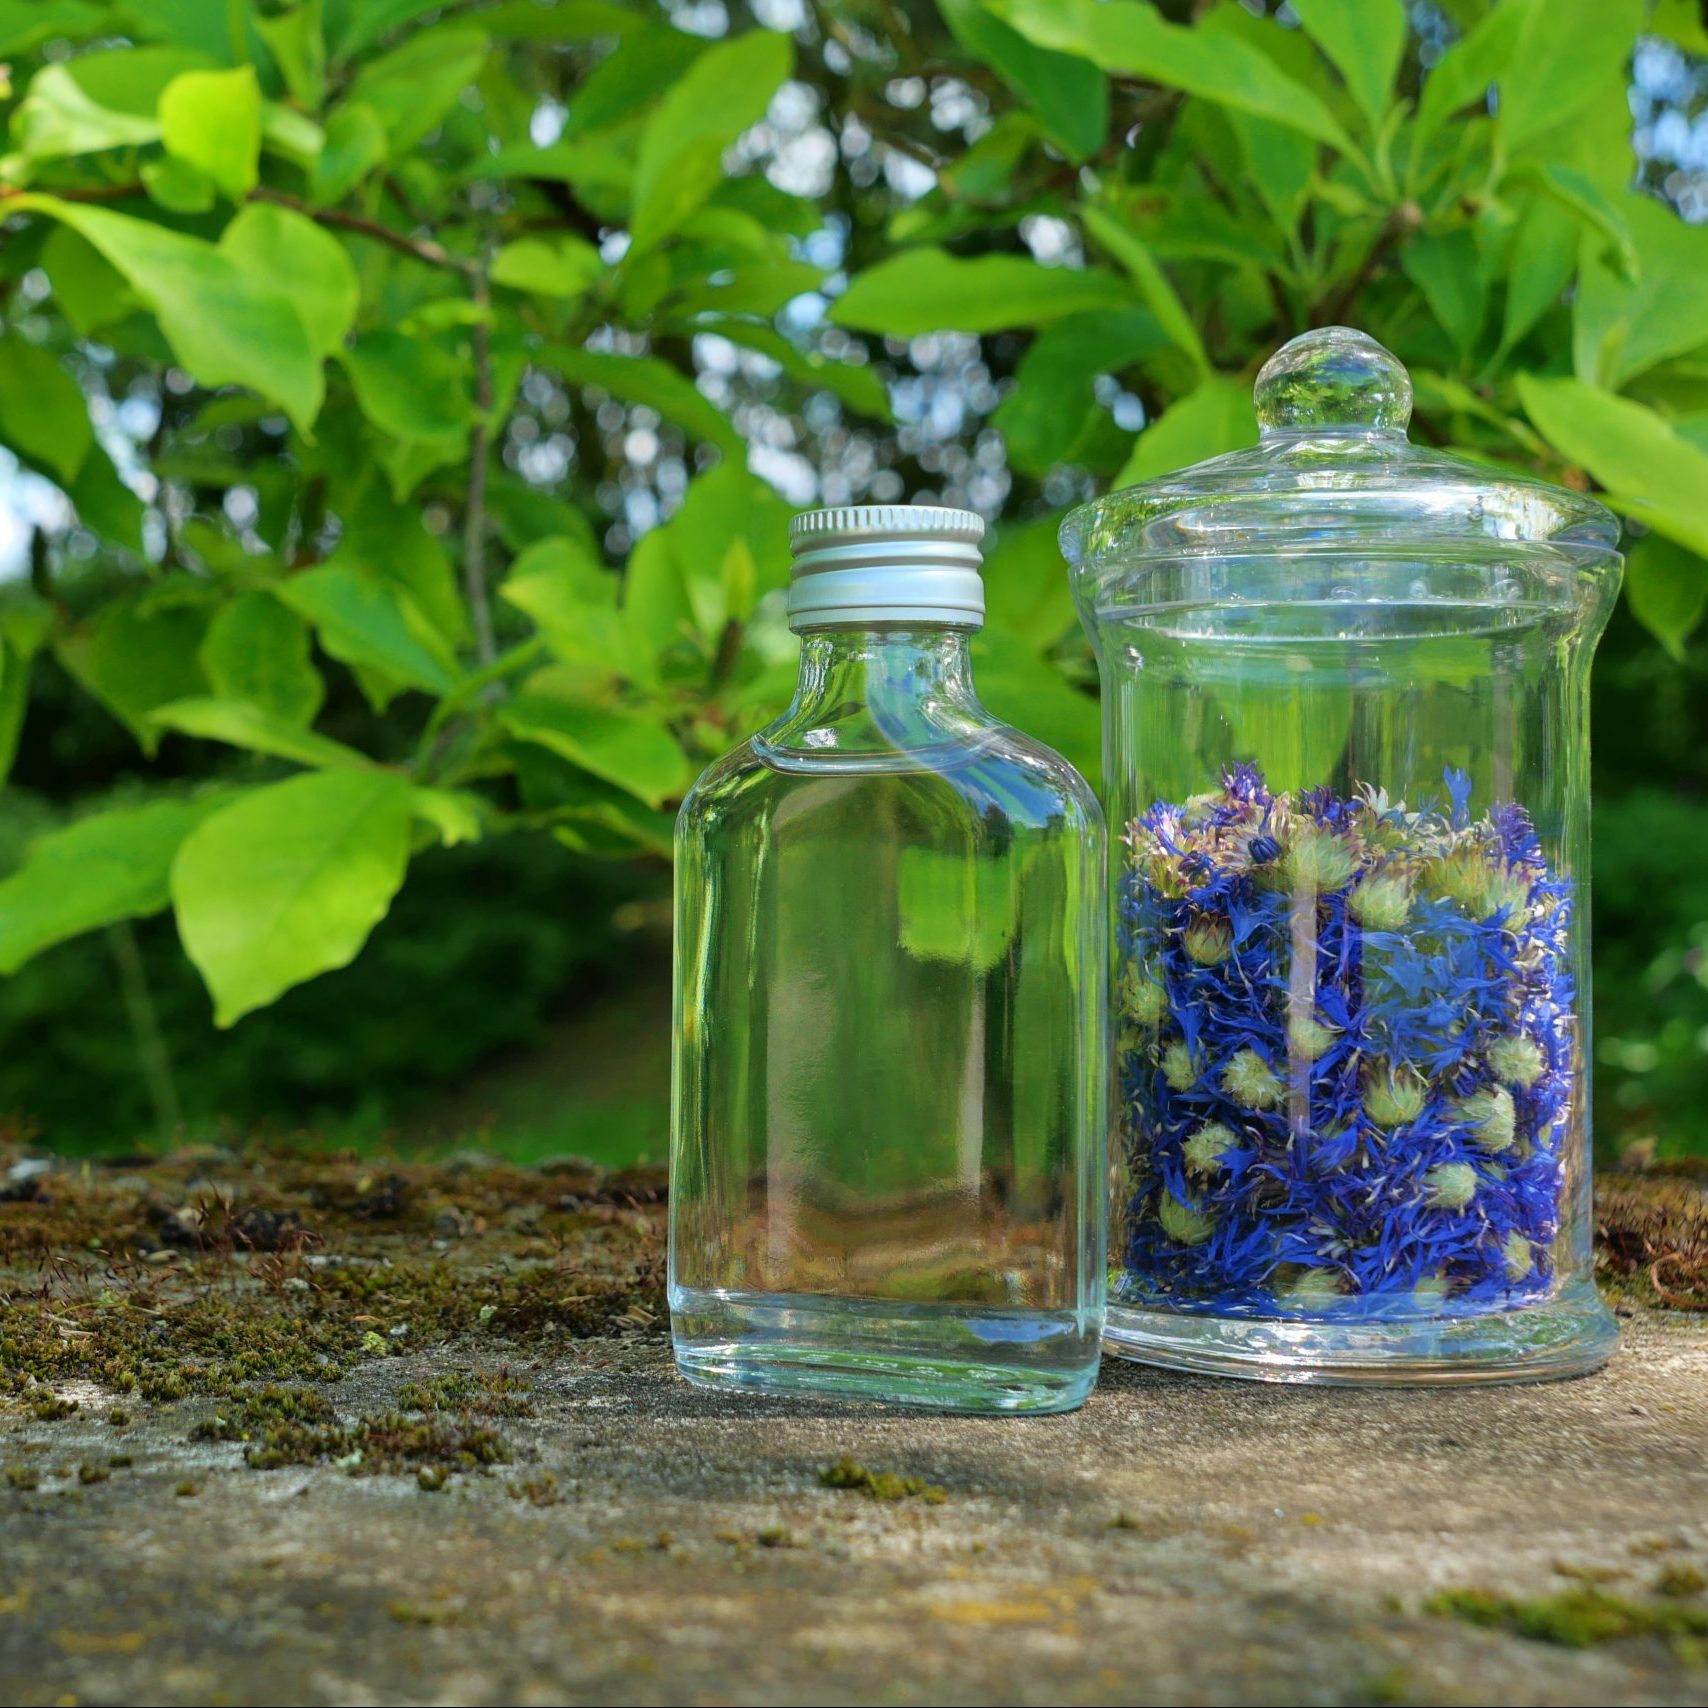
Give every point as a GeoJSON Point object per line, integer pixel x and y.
{"type": "Point", "coordinates": [1319, 858]}
{"type": "Point", "coordinates": [1177, 1065]}
{"type": "Point", "coordinates": [1492, 1116]}
{"type": "Point", "coordinates": [1251, 1082]}
{"type": "Point", "coordinates": [1517, 1256]}
{"type": "Point", "coordinates": [1183, 1223]}
{"type": "Point", "coordinates": [1206, 1148]}
{"type": "Point", "coordinates": [1517, 1060]}
{"type": "Point", "coordinates": [1309, 1037]}
{"type": "Point", "coordinates": [1394, 1096]}
{"type": "Point", "coordinates": [1208, 940]}
{"type": "Point", "coordinates": [1381, 902]}
{"type": "Point", "coordinates": [1450, 1185]}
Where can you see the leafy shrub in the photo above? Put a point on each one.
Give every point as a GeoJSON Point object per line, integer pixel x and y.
{"type": "Point", "coordinates": [357, 340]}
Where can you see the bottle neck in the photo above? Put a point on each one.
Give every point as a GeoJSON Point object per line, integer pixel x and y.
{"type": "Point", "coordinates": [880, 689]}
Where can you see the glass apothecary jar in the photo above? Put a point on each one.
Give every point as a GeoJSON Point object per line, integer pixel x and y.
{"type": "Point", "coordinates": [1345, 686]}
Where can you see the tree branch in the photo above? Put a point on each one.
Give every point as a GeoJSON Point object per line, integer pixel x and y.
{"type": "Point", "coordinates": [422, 248]}
{"type": "Point", "coordinates": [474, 511]}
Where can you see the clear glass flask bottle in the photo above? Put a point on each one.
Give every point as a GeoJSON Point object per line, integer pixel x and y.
{"type": "Point", "coordinates": [889, 1120]}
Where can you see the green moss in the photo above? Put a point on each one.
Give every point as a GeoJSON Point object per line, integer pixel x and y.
{"type": "Point", "coordinates": [1576, 1618]}
{"type": "Point", "coordinates": [1681, 1578]}
{"type": "Point", "coordinates": [849, 1473]}
{"type": "Point", "coordinates": [22, 1477]}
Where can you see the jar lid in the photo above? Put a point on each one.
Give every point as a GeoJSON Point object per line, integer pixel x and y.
{"type": "Point", "coordinates": [1334, 471]}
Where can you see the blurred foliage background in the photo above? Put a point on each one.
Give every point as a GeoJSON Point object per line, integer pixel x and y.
{"type": "Point", "coordinates": [402, 403]}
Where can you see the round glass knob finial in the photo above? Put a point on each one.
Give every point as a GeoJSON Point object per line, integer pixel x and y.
{"type": "Point", "coordinates": [1333, 380]}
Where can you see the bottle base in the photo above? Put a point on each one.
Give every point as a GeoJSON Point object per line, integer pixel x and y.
{"type": "Point", "coordinates": [1571, 1334]}
{"type": "Point", "coordinates": [971, 1359]}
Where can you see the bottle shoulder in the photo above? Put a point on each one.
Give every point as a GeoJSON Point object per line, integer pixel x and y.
{"type": "Point", "coordinates": [1001, 775]}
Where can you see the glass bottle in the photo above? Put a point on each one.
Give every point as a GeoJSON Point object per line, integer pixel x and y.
{"type": "Point", "coordinates": [890, 1080]}
{"type": "Point", "coordinates": [1346, 746]}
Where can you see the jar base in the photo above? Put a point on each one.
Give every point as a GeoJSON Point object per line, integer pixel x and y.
{"type": "Point", "coordinates": [944, 1357]}
{"type": "Point", "coordinates": [1570, 1334]}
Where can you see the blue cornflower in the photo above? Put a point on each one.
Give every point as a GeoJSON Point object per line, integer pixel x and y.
{"type": "Point", "coordinates": [1377, 1127]}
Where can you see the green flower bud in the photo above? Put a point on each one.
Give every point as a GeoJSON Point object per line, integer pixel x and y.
{"type": "Point", "coordinates": [1183, 1223]}
{"type": "Point", "coordinates": [1450, 1185]}
{"type": "Point", "coordinates": [1382, 902]}
{"type": "Point", "coordinates": [1517, 1060]}
{"type": "Point", "coordinates": [1178, 1067]}
{"type": "Point", "coordinates": [1394, 1096]}
{"type": "Point", "coordinates": [1518, 1255]}
{"type": "Point", "coordinates": [1318, 858]}
{"type": "Point", "coordinates": [1206, 1148]}
{"type": "Point", "coordinates": [1207, 941]}
{"type": "Point", "coordinates": [1493, 1116]}
{"type": "Point", "coordinates": [1308, 1037]}
{"type": "Point", "coordinates": [1249, 1080]}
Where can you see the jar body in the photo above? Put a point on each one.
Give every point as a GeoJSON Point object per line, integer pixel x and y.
{"type": "Point", "coordinates": [1351, 964]}
{"type": "Point", "coordinates": [890, 1075]}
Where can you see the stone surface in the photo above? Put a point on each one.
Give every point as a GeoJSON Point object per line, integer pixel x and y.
{"type": "Point", "coordinates": [1179, 1540]}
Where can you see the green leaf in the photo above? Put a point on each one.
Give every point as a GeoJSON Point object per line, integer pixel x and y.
{"type": "Point", "coordinates": [412, 390]}
{"type": "Point", "coordinates": [553, 267]}
{"type": "Point", "coordinates": [1623, 327]}
{"type": "Point", "coordinates": [1070, 97]}
{"type": "Point", "coordinates": [134, 656]}
{"type": "Point", "coordinates": [1463, 74]}
{"type": "Point", "coordinates": [859, 386]}
{"type": "Point", "coordinates": [288, 882]}
{"type": "Point", "coordinates": [226, 325]}
{"type": "Point", "coordinates": [656, 609]}
{"type": "Point", "coordinates": [680, 163]}
{"type": "Point", "coordinates": [105, 868]}
{"type": "Point", "coordinates": [268, 241]}
{"type": "Point", "coordinates": [1046, 414]}
{"type": "Point", "coordinates": [43, 414]}
{"type": "Point", "coordinates": [257, 652]}
{"type": "Point", "coordinates": [572, 599]}
{"type": "Point", "coordinates": [411, 89]}
{"type": "Point", "coordinates": [1653, 472]}
{"type": "Point", "coordinates": [596, 170]}
{"type": "Point", "coordinates": [648, 380]}
{"type": "Point", "coordinates": [96, 102]}
{"type": "Point", "coordinates": [929, 290]}
{"type": "Point", "coordinates": [1151, 283]}
{"type": "Point", "coordinates": [1131, 40]}
{"type": "Point", "coordinates": [1363, 40]}
{"type": "Point", "coordinates": [1668, 589]}
{"type": "Point", "coordinates": [623, 747]}
{"type": "Point", "coordinates": [362, 622]}
{"type": "Point", "coordinates": [1026, 583]}
{"type": "Point", "coordinates": [1444, 267]}
{"type": "Point", "coordinates": [297, 43]}
{"type": "Point", "coordinates": [21, 635]}
{"type": "Point", "coordinates": [212, 121]}
{"type": "Point", "coordinates": [1567, 52]}
{"type": "Point", "coordinates": [1215, 418]}
{"type": "Point", "coordinates": [1017, 684]}
{"type": "Point", "coordinates": [177, 186]}
{"type": "Point", "coordinates": [25, 24]}
{"type": "Point", "coordinates": [730, 526]}
{"type": "Point", "coordinates": [238, 724]}
{"type": "Point", "coordinates": [455, 814]}
{"type": "Point", "coordinates": [355, 144]}
{"type": "Point", "coordinates": [1544, 257]}
{"type": "Point", "coordinates": [559, 20]}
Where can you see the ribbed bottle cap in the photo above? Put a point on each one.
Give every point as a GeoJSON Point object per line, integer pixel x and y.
{"type": "Point", "coordinates": [886, 563]}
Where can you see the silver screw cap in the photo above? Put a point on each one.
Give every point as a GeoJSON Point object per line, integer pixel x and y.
{"type": "Point", "coordinates": [886, 563]}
